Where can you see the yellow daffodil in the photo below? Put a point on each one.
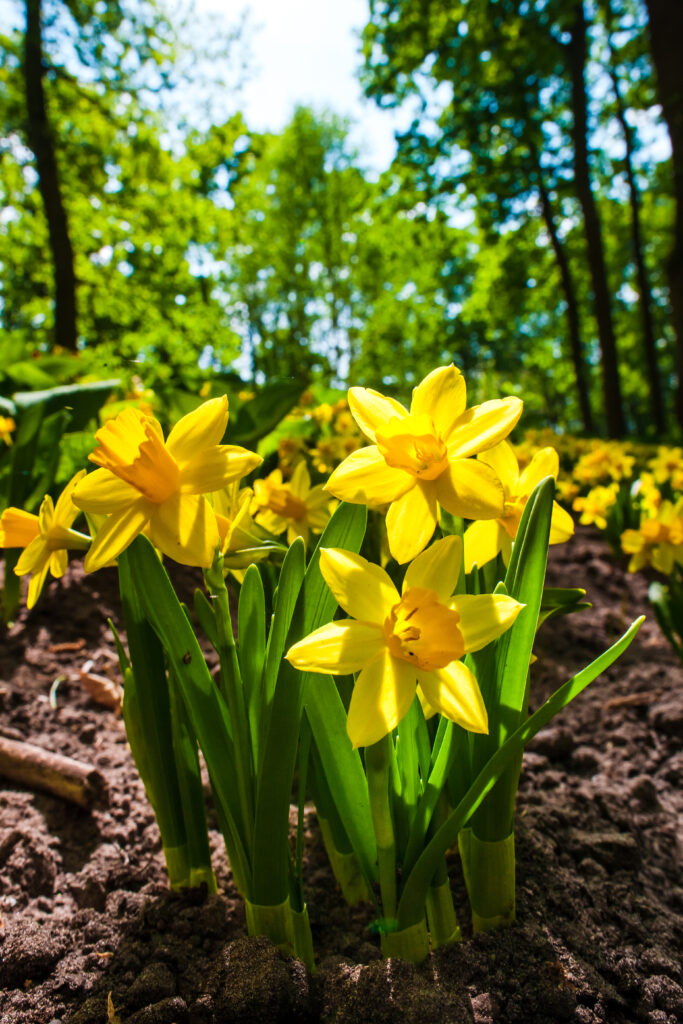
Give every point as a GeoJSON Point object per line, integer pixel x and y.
{"type": "Point", "coordinates": [7, 425]}
{"type": "Point", "coordinates": [658, 541]}
{"type": "Point", "coordinates": [421, 459]}
{"type": "Point", "coordinates": [484, 539]}
{"type": "Point", "coordinates": [667, 464]}
{"type": "Point", "coordinates": [604, 460]}
{"type": "Point", "coordinates": [290, 450]}
{"type": "Point", "coordinates": [595, 505]}
{"type": "Point", "coordinates": [295, 506]}
{"type": "Point", "coordinates": [399, 641]}
{"type": "Point", "coordinates": [647, 494]}
{"type": "Point", "coordinates": [146, 484]}
{"type": "Point", "coordinates": [242, 541]}
{"type": "Point", "coordinates": [45, 538]}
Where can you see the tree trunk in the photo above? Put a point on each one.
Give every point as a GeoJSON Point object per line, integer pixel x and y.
{"type": "Point", "coordinates": [596, 258]}
{"type": "Point", "coordinates": [575, 343]}
{"type": "Point", "coordinates": [40, 141]}
{"type": "Point", "coordinates": [649, 342]}
{"type": "Point", "coordinates": [666, 32]}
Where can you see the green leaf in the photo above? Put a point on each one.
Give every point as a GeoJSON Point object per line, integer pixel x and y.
{"type": "Point", "coordinates": [205, 706]}
{"type": "Point", "coordinates": [82, 400]}
{"type": "Point", "coordinates": [315, 606]}
{"type": "Point", "coordinates": [263, 412]}
{"type": "Point", "coordinates": [502, 668]}
{"type": "Point", "coordinates": [251, 650]}
{"type": "Point", "coordinates": [414, 891]}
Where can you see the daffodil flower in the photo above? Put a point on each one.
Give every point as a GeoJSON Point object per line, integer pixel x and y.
{"type": "Point", "coordinates": [146, 484]}
{"type": "Point", "coordinates": [423, 458]}
{"type": "Point", "coordinates": [295, 506]}
{"type": "Point", "coordinates": [484, 539]}
{"type": "Point", "coordinates": [399, 641]}
{"type": "Point", "coordinates": [7, 425]}
{"type": "Point", "coordinates": [45, 538]}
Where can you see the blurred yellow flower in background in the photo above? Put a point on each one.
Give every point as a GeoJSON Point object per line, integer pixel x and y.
{"type": "Point", "coordinates": [295, 506]}
{"type": "Point", "coordinates": [7, 426]}
{"type": "Point", "coordinates": [595, 505]}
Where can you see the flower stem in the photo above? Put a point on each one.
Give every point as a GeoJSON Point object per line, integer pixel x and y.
{"type": "Point", "coordinates": [378, 768]}
{"type": "Point", "coordinates": [233, 691]}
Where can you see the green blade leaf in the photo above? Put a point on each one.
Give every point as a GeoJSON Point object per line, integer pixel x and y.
{"type": "Point", "coordinates": [251, 649]}
{"type": "Point", "coordinates": [414, 892]}
{"type": "Point", "coordinates": [315, 606]}
{"type": "Point", "coordinates": [205, 706]}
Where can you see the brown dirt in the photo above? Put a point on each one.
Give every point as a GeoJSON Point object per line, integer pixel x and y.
{"type": "Point", "coordinates": [86, 911]}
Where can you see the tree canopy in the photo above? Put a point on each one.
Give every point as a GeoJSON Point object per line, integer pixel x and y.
{"type": "Point", "coordinates": [523, 231]}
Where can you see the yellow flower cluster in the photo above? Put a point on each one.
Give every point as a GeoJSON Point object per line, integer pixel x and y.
{"type": "Point", "coordinates": [658, 541]}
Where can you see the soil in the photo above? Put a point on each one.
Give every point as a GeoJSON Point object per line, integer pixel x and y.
{"type": "Point", "coordinates": [90, 932]}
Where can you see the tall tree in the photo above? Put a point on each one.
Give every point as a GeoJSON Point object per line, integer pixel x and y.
{"type": "Point", "coordinates": [41, 141]}
{"type": "Point", "coordinates": [611, 387]}
{"type": "Point", "coordinates": [513, 135]}
{"type": "Point", "coordinates": [666, 32]}
{"type": "Point", "coordinates": [638, 246]}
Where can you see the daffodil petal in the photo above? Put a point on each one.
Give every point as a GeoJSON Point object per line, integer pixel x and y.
{"type": "Point", "coordinates": [32, 556]}
{"type": "Point", "coordinates": [561, 525]}
{"type": "Point", "coordinates": [482, 542]}
{"type": "Point", "coordinates": [103, 492]}
{"type": "Point", "coordinates": [365, 478]}
{"type": "Point", "coordinates": [427, 710]}
{"type": "Point", "coordinates": [382, 695]}
{"type": "Point", "coordinates": [437, 568]}
{"type": "Point", "coordinates": [339, 647]}
{"type": "Point", "coordinates": [442, 395]}
{"type": "Point", "coordinates": [117, 533]}
{"type": "Point", "coordinates": [300, 481]}
{"type": "Point", "coordinates": [58, 563]}
{"type": "Point", "coordinates": [361, 588]}
{"type": "Point", "coordinates": [36, 583]}
{"type": "Point", "coordinates": [200, 429]}
{"type": "Point", "coordinates": [544, 463]}
{"type": "Point", "coordinates": [216, 467]}
{"type": "Point", "coordinates": [483, 426]}
{"type": "Point", "coordinates": [484, 617]}
{"type": "Point", "coordinates": [46, 514]}
{"type": "Point", "coordinates": [470, 489]}
{"type": "Point", "coordinates": [18, 528]}
{"type": "Point", "coordinates": [372, 410]}
{"type": "Point", "coordinates": [65, 510]}
{"type": "Point", "coordinates": [317, 498]}
{"type": "Point", "coordinates": [502, 460]}
{"type": "Point", "coordinates": [411, 521]}
{"type": "Point", "coordinates": [184, 527]}
{"type": "Point", "coordinates": [455, 692]}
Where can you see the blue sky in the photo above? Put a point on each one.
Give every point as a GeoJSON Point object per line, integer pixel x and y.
{"type": "Point", "coordinates": [306, 51]}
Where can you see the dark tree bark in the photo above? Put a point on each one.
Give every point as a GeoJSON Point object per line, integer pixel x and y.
{"type": "Point", "coordinates": [575, 342]}
{"type": "Point", "coordinates": [666, 33]}
{"type": "Point", "coordinates": [649, 342]}
{"type": "Point", "coordinates": [596, 258]}
{"type": "Point", "coordinates": [40, 141]}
